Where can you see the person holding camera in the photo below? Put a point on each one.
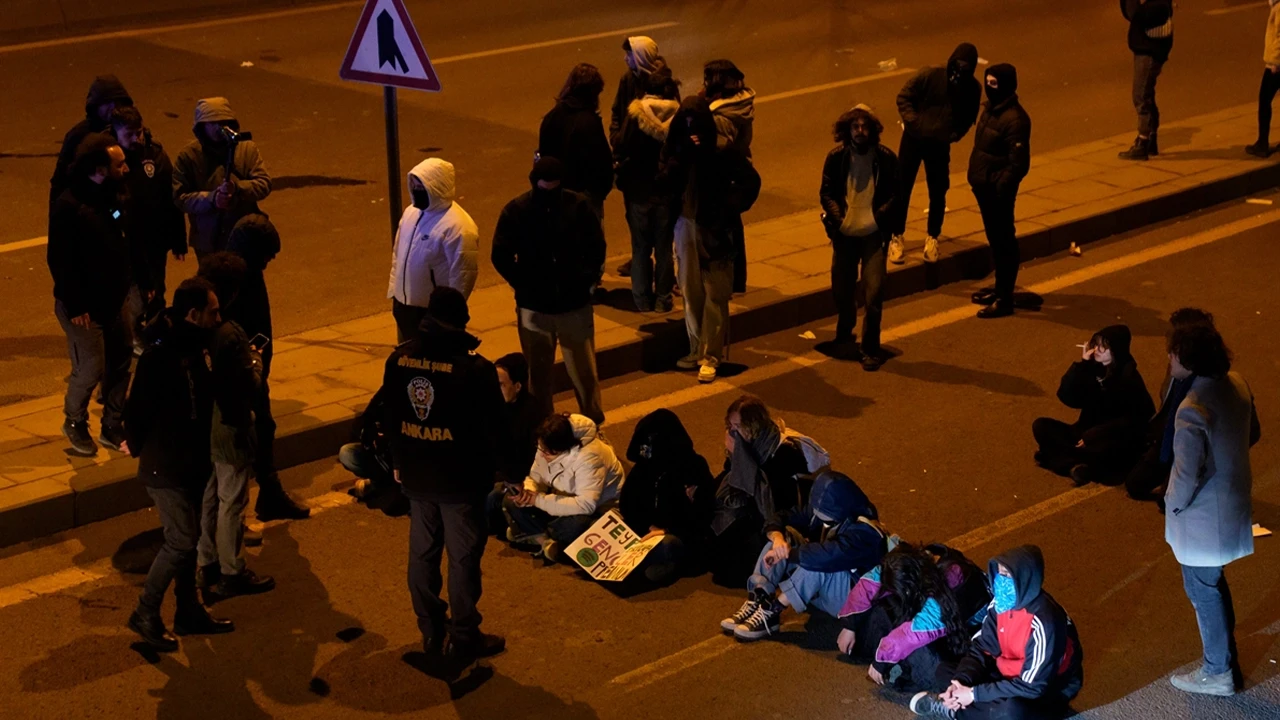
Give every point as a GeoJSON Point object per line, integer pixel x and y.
{"type": "Point", "coordinates": [219, 177]}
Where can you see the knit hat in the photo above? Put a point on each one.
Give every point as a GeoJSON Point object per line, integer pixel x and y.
{"type": "Point", "coordinates": [448, 307]}
{"type": "Point", "coordinates": [547, 168]}
{"type": "Point", "coordinates": [1001, 82]}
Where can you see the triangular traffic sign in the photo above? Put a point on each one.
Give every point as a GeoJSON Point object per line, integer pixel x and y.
{"type": "Point", "coordinates": [385, 50]}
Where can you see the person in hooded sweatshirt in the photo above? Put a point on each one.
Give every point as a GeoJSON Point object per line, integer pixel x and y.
{"type": "Point", "coordinates": [667, 494]}
{"type": "Point", "coordinates": [1115, 407]}
{"type": "Point", "coordinates": [1150, 40]}
{"type": "Point", "coordinates": [575, 478]}
{"type": "Point", "coordinates": [521, 417]}
{"type": "Point", "coordinates": [212, 200]}
{"type": "Point", "coordinates": [858, 192]}
{"type": "Point", "coordinates": [1026, 663]}
{"type": "Point", "coordinates": [651, 208]}
{"type": "Point", "coordinates": [549, 246]}
{"type": "Point", "coordinates": [90, 262]}
{"type": "Point", "coordinates": [1001, 158]}
{"type": "Point", "coordinates": [105, 95]}
{"type": "Point", "coordinates": [938, 105]}
{"type": "Point", "coordinates": [733, 105]}
{"type": "Point", "coordinates": [1270, 82]}
{"type": "Point", "coordinates": [437, 244]}
{"type": "Point", "coordinates": [642, 58]}
{"type": "Point", "coordinates": [814, 555]}
{"type": "Point", "coordinates": [573, 132]}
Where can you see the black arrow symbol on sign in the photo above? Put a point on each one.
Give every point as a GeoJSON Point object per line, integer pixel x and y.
{"type": "Point", "coordinates": [388, 49]}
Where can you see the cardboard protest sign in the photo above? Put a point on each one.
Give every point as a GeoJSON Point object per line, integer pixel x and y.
{"type": "Point", "coordinates": [610, 550]}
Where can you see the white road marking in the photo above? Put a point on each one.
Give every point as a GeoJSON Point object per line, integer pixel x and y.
{"type": "Point", "coordinates": [1237, 8]}
{"type": "Point", "coordinates": [832, 85]}
{"type": "Point", "coordinates": [1024, 517]}
{"type": "Point", "coordinates": [24, 244]}
{"type": "Point", "coordinates": [624, 32]}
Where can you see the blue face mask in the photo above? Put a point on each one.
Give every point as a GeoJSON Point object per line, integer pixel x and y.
{"type": "Point", "coordinates": [1005, 592]}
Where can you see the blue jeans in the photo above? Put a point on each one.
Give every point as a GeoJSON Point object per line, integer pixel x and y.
{"type": "Point", "coordinates": [652, 264]}
{"type": "Point", "coordinates": [1208, 592]}
{"type": "Point", "coordinates": [804, 589]}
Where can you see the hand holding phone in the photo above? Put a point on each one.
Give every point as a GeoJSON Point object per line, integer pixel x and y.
{"type": "Point", "coordinates": [260, 342]}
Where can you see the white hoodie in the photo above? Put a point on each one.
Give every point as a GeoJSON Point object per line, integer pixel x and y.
{"type": "Point", "coordinates": [579, 481]}
{"type": "Point", "coordinates": [436, 246]}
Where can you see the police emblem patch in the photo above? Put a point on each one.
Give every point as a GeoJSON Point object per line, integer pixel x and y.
{"type": "Point", "coordinates": [149, 167]}
{"type": "Point", "coordinates": [421, 396]}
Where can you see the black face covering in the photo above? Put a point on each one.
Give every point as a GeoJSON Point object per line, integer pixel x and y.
{"type": "Point", "coordinates": [421, 198]}
{"type": "Point", "coordinates": [1000, 83]}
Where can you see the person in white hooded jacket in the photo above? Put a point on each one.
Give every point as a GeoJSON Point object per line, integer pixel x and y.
{"type": "Point", "coordinates": [437, 243]}
{"type": "Point", "coordinates": [575, 478]}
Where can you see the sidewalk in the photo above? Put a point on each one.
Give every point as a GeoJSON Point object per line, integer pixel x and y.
{"type": "Point", "coordinates": [321, 379]}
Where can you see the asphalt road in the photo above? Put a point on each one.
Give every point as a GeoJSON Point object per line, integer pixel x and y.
{"type": "Point", "coordinates": [940, 439]}
{"type": "Point", "coordinates": [322, 138]}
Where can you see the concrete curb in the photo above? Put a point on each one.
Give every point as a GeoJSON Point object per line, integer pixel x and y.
{"type": "Point", "coordinates": [109, 489]}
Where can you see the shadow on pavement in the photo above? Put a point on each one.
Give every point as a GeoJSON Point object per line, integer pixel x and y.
{"type": "Point", "coordinates": [935, 372]}
{"type": "Point", "coordinates": [1090, 313]}
{"type": "Point", "coordinates": [804, 390]}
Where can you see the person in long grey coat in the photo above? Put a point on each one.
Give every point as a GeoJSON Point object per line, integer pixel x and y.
{"type": "Point", "coordinates": [1208, 522]}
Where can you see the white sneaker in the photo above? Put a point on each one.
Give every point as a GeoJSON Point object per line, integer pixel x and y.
{"type": "Point", "coordinates": [707, 373]}
{"type": "Point", "coordinates": [931, 249]}
{"type": "Point", "coordinates": [896, 253]}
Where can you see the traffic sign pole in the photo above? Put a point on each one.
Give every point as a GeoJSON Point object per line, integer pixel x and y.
{"type": "Point", "coordinates": [392, 113]}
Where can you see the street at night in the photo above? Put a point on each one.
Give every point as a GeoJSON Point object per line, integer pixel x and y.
{"type": "Point", "coordinates": [939, 439]}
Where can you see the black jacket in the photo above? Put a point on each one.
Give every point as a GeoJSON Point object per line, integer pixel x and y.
{"type": "Point", "coordinates": [637, 148]}
{"type": "Point", "coordinates": [550, 249]}
{"type": "Point", "coordinates": [88, 253]}
{"type": "Point", "coordinates": [522, 420]}
{"type": "Point", "coordinates": [1001, 148]}
{"type": "Point", "coordinates": [105, 89]}
{"type": "Point", "coordinates": [444, 416]}
{"type": "Point", "coordinates": [574, 133]}
{"type": "Point", "coordinates": [1145, 17]}
{"type": "Point", "coordinates": [714, 187]}
{"type": "Point", "coordinates": [834, 195]}
{"type": "Point", "coordinates": [169, 413]}
{"type": "Point", "coordinates": [631, 86]}
{"type": "Point", "coordinates": [933, 109]}
{"type": "Point", "coordinates": [153, 224]}
{"type": "Point", "coordinates": [255, 239]}
{"type": "Point", "coordinates": [665, 465]}
{"type": "Point", "coordinates": [1107, 395]}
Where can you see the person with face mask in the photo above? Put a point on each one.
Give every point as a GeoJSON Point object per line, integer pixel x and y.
{"type": "Point", "coordinates": [91, 264]}
{"type": "Point", "coordinates": [1026, 662]}
{"type": "Point", "coordinates": [1001, 158]}
{"type": "Point", "coordinates": [859, 189]}
{"type": "Point", "coordinates": [1115, 407]}
{"type": "Point", "coordinates": [213, 201]}
{"type": "Point", "coordinates": [437, 244]}
{"type": "Point", "coordinates": [549, 246]}
{"type": "Point", "coordinates": [105, 95]}
{"type": "Point", "coordinates": [938, 105]}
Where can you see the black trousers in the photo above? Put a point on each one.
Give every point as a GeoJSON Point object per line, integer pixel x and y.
{"type": "Point", "coordinates": [1045, 708]}
{"type": "Point", "coordinates": [1110, 449]}
{"type": "Point", "coordinates": [997, 219]}
{"type": "Point", "coordinates": [1148, 474]}
{"type": "Point", "coordinates": [459, 528]}
{"type": "Point", "coordinates": [936, 156]}
{"type": "Point", "coordinates": [408, 318]}
{"type": "Point", "coordinates": [1266, 93]}
{"type": "Point", "coordinates": [847, 253]}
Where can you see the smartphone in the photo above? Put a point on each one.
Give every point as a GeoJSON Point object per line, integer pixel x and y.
{"type": "Point", "coordinates": [512, 489]}
{"type": "Point", "coordinates": [260, 342]}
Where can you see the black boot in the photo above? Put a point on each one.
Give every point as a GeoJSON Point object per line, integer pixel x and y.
{"type": "Point", "coordinates": [246, 582]}
{"type": "Point", "coordinates": [275, 504]}
{"type": "Point", "coordinates": [198, 621]}
{"type": "Point", "coordinates": [998, 309]}
{"type": "Point", "coordinates": [1260, 149]}
{"type": "Point", "coordinates": [1153, 149]}
{"type": "Point", "coordinates": [153, 631]}
{"type": "Point", "coordinates": [1138, 151]}
{"type": "Point", "coordinates": [77, 433]}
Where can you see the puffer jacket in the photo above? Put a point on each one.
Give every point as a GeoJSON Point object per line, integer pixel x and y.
{"type": "Point", "coordinates": [436, 246]}
{"type": "Point", "coordinates": [734, 119]}
{"type": "Point", "coordinates": [105, 89]}
{"type": "Point", "coordinates": [201, 167]}
{"type": "Point", "coordinates": [578, 482]}
{"type": "Point", "coordinates": [1271, 41]}
{"type": "Point", "coordinates": [638, 148]}
{"type": "Point", "coordinates": [1001, 148]}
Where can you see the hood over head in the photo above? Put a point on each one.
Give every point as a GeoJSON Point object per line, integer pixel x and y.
{"type": "Point", "coordinates": [1026, 566]}
{"type": "Point", "coordinates": [255, 239]}
{"type": "Point", "coordinates": [546, 168]}
{"type": "Point", "coordinates": [963, 62]}
{"type": "Point", "coordinates": [642, 54]}
{"type": "Point", "coordinates": [835, 497]}
{"type": "Point", "coordinates": [214, 110]}
{"type": "Point", "coordinates": [437, 176]}
{"type": "Point", "coordinates": [1118, 339]}
{"type": "Point", "coordinates": [660, 437]}
{"type": "Point", "coordinates": [1001, 82]}
{"type": "Point", "coordinates": [105, 89]}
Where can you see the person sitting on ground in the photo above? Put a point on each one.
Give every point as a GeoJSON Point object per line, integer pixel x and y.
{"type": "Point", "coordinates": [574, 480]}
{"type": "Point", "coordinates": [814, 555]}
{"type": "Point", "coordinates": [1107, 389]}
{"type": "Point", "coordinates": [1025, 662]}
{"type": "Point", "coordinates": [368, 457]}
{"type": "Point", "coordinates": [915, 611]}
{"type": "Point", "coordinates": [522, 418]}
{"type": "Point", "coordinates": [667, 494]}
{"type": "Point", "coordinates": [767, 470]}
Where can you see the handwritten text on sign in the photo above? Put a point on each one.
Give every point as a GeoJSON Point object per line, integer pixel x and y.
{"type": "Point", "coordinates": [610, 550]}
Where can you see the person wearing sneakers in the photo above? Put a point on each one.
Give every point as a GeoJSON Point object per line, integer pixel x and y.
{"type": "Point", "coordinates": [441, 409]}
{"type": "Point", "coordinates": [938, 105]}
{"type": "Point", "coordinates": [641, 55]}
{"type": "Point", "coordinates": [1025, 663]}
{"type": "Point", "coordinates": [575, 478]}
{"type": "Point", "coordinates": [859, 187]}
{"type": "Point", "coordinates": [1150, 40]}
{"type": "Point", "coordinates": [1270, 82]}
{"type": "Point", "coordinates": [1208, 518]}
{"type": "Point", "coordinates": [814, 555]}
{"type": "Point", "coordinates": [1001, 159]}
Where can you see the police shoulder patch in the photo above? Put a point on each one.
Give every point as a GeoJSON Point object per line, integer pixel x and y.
{"type": "Point", "coordinates": [422, 396]}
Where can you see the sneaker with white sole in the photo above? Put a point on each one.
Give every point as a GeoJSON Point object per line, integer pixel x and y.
{"type": "Point", "coordinates": [1199, 682]}
{"type": "Point", "coordinates": [897, 254]}
{"type": "Point", "coordinates": [765, 621]}
{"type": "Point", "coordinates": [748, 609]}
{"type": "Point", "coordinates": [707, 373]}
{"type": "Point", "coordinates": [931, 249]}
{"type": "Point", "coordinates": [926, 704]}
{"type": "Point", "coordinates": [689, 362]}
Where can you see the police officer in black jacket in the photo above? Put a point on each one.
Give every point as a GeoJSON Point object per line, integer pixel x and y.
{"type": "Point", "coordinates": [444, 417]}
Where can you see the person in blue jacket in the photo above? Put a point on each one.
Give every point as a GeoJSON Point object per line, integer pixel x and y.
{"type": "Point", "coordinates": [813, 556]}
